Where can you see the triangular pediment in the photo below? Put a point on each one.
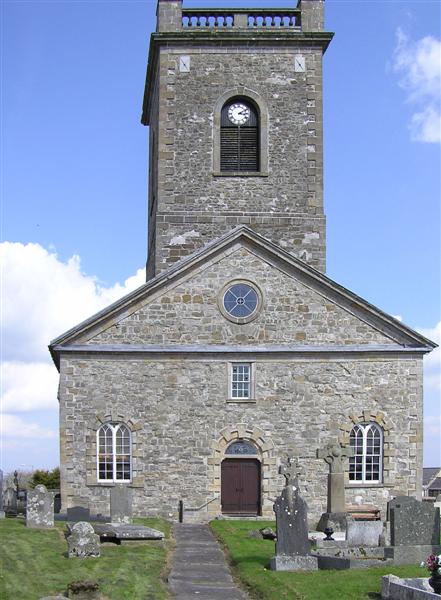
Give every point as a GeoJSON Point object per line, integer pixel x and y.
{"type": "Point", "coordinates": [301, 308]}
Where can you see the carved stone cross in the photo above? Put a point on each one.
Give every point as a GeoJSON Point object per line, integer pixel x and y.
{"type": "Point", "coordinates": [335, 455]}
{"type": "Point", "coordinates": [290, 470]}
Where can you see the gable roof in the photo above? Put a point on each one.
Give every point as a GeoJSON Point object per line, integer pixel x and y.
{"type": "Point", "coordinates": [404, 336]}
{"type": "Point", "coordinates": [429, 474]}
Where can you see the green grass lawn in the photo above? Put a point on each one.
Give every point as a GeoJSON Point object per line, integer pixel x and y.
{"type": "Point", "coordinates": [250, 559]}
{"type": "Point", "coordinates": [34, 563]}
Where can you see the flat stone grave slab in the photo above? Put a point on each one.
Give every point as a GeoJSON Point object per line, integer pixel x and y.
{"type": "Point", "coordinates": [119, 532]}
{"type": "Point", "coordinates": [338, 562]}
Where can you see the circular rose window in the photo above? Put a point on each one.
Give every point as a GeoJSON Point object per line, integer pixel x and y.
{"type": "Point", "coordinates": [240, 301]}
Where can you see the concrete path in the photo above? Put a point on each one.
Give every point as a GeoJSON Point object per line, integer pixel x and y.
{"type": "Point", "coordinates": [199, 569]}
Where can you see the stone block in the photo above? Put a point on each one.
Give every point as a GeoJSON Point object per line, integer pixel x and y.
{"type": "Point", "coordinates": [410, 555]}
{"type": "Point", "coordinates": [363, 533]}
{"type": "Point", "coordinates": [294, 563]}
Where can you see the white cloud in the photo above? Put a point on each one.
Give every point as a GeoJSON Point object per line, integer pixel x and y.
{"type": "Point", "coordinates": [42, 297]}
{"type": "Point", "coordinates": [29, 386]}
{"type": "Point", "coordinates": [432, 361]}
{"type": "Point", "coordinates": [418, 64]}
{"type": "Point", "coordinates": [15, 427]}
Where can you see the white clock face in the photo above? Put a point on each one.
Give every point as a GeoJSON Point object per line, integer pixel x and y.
{"type": "Point", "coordinates": [238, 113]}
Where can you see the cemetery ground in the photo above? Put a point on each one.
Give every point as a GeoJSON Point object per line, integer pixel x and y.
{"type": "Point", "coordinates": [250, 556]}
{"type": "Point", "coordinates": [34, 564]}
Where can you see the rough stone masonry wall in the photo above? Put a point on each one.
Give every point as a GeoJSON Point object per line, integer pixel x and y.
{"type": "Point", "coordinates": [194, 205]}
{"type": "Point", "coordinates": [178, 408]}
{"type": "Point", "coordinates": [188, 312]}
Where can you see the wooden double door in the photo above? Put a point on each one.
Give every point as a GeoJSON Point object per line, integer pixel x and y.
{"type": "Point", "coordinates": [240, 486]}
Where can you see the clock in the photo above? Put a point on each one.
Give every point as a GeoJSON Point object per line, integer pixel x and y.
{"type": "Point", "coordinates": [238, 113]}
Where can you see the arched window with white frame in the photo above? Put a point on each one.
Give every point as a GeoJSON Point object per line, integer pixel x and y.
{"type": "Point", "coordinates": [114, 452]}
{"type": "Point", "coordinates": [366, 466]}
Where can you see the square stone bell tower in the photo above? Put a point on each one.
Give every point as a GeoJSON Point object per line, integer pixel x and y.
{"type": "Point", "coordinates": [233, 99]}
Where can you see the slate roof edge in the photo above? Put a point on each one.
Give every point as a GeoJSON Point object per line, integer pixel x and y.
{"type": "Point", "coordinates": [223, 349]}
{"type": "Point", "coordinates": [218, 245]}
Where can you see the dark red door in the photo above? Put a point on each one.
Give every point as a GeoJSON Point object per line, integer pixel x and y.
{"type": "Point", "coordinates": [240, 486]}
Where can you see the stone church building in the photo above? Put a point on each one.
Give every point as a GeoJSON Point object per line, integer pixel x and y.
{"type": "Point", "coordinates": [238, 351]}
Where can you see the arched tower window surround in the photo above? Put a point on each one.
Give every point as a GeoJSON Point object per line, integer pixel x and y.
{"type": "Point", "coordinates": [114, 452]}
{"type": "Point", "coordinates": [366, 466]}
{"type": "Point", "coordinates": [239, 136]}
{"type": "Point", "coordinates": [231, 150]}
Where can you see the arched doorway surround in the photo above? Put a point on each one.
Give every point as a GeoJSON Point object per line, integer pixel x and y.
{"type": "Point", "coordinates": [269, 483]}
{"type": "Point", "coordinates": [240, 479]}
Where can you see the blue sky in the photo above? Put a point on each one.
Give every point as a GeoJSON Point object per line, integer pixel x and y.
{"type": "Point", "coordinates": [74, 180]}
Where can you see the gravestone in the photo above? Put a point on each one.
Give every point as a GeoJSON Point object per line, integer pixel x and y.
{"type": "Point", "coordinates": [2, 512]}
{"type": "Point", "coordinates": [121, 504]}
{"type": "Point", "coordinates": [78, 513]}
{"type": "Point", "coordinates": [83, 542]}
{"type": "Point", "coordinates": [335, 516]}
{"type": "Point", "coordinates": [40, 508]}
{"type": "Point", "coordinates": [292, 546]}
{"type": "Point", "coordinates": [363, 533]}
{"type": "Point", "coordinates": [413, 523]}
{"type": "Point", "coordinates": [10, 501]}
{"type": "Point", "coordinates": [401, 500]}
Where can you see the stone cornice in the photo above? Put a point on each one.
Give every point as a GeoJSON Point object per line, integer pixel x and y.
{"type": "Point", "coordinates": [215, 350]}
{"type": "Point", "coordinates": [217, 37]}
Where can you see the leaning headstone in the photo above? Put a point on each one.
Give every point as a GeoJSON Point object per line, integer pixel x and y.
{"type": "Point", "coordinates": [40, 508]}
{"type": "Point", "coordinates": [335, 516]}
{"type": "Point", "coordinates": [2, 512]}
{"type": "Point", "coordinates": [78, 513]}
{"type": "Point", "coordinates": [414, 523]}
{"type": "Point", "coordinates": [121, 504]}
{"type": "Point", "coordinates": [363, 533]}
{"type": "Point", "coordinates": [292, 546]}
{"type": "Point", "coordinates": [83, 541]}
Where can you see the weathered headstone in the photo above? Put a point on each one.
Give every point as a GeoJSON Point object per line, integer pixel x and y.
{"type": "Point", "coordinates": [363, 533]}
{"type": "Point", "coordinates": [2, 512]}
{"type": "Point", "coordinates": [121, 504]}
{"type": "Point", "coordinates": [40, 508]}
{"type": "Point", "coordinates": [292, 546]}
{"type": "Point", "coordinates": [83, 542]}
{"type": "Point", "coordinates": [414, 523]}
{"type": "Point", "coordinates": [78, 513]}
{"type": "Point", "coordinates": [400, 499]}
{"type": "Point", "coordinates": [10, 500]}
{"type": "Point", "coordinates": [335, 455]}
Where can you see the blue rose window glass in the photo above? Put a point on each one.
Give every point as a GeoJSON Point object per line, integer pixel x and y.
{"type": "Point", "coordinates": [240, 300]}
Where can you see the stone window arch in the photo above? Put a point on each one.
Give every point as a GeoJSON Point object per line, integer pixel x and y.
{"type": "Point", "coordinates": [114, 452]}
{"type": "Point", "coordinates": [366, 466]}
{"type": "Point", "coordinates": [92, 447]}
{"type": "Point", "coordinates": [240, 140]}
{"type": "Point", "coordinates": [388, 443]}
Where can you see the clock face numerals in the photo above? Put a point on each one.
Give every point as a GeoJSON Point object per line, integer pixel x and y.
{"type": "Point", "coordinates": [239, 113]}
